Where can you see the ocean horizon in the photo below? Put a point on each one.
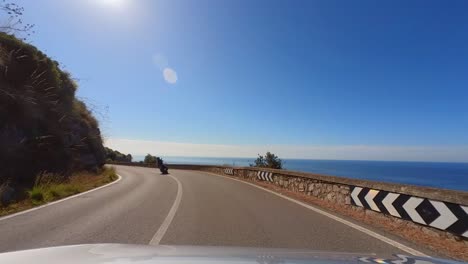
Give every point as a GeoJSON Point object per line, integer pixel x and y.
{"type": "Point", "coordinates": [446, 175]}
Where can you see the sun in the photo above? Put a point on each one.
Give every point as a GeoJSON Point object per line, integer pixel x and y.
{"type": "Point", "coordinates": [113, 3]}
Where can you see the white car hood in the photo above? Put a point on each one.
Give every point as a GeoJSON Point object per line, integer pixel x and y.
{"type": "Point", "coordinates": [143, 254]}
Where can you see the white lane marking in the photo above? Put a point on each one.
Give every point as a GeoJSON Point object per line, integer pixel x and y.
{"type": "Point", "coordinates": [371, 233]}
{"type": "Point", "coordinates": [446, 218]}
{"type": "Point", "coordinates": [61, 200]}
{"type": "Point", "coordinates": [370, 199]}
{"type": "Point", "coordinates": [355, 197]}
{"type": "Point", "coordinates": [388, 203]}
{"type": "Point", "coordinates": [170, 216]}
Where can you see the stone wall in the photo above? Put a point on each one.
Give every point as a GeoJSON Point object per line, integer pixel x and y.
{"type": "Point", "coordinates": [333, 192]}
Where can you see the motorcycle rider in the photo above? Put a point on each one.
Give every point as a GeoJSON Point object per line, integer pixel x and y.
{"type": "Point", "coordinates": [163, 168]}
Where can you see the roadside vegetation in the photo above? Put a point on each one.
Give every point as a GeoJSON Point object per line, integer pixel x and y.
{"type": "Point", "coordinates": [150, 159]}
{"type": "Point", "coordinates": [50, 141]}
{"type": "Point", "coordinates": [50, 187]}
{"type": "Point", "coordinates": [44, 126]}
{"type": "Point", "coordinates": [115, 155]}
{"type": "Point", "coordinates": [270, 160]}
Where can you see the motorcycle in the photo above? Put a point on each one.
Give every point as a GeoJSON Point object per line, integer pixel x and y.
{"type": "Point", "coordinates": [163, 168]}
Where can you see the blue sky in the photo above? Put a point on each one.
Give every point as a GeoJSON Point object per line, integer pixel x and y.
{"type": "Point", "coordinates": [263, 74]}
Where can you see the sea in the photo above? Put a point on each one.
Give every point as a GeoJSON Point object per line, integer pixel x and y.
{"type": "Point", "coordinates": [445, 175]}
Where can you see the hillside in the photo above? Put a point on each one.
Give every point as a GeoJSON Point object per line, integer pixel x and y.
{"type": "Point", "coordinates": [43, 126]}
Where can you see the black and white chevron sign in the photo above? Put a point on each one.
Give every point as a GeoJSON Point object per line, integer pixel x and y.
{"type": "Point", "coordinates": [265, 176]}
{"type": "Point", "coordinates": [441, 215]}
{"type": "Point", "coordinates": [229, 171]}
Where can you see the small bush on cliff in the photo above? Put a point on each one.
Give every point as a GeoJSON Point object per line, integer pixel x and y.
{"type": "Point", "coordinates": [270, 160]}
{"type": "Point", "coordinates": [150, 159]}
{"type": "Point", "coordinates": [115, 155]}
{"type": "Point", "coordinates": [43, 126]}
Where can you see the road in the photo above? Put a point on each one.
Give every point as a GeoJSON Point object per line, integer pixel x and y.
{"type": "Point", "coordinates": [213, 210]}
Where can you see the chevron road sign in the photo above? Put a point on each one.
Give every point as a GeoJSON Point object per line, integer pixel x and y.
{"type": "Point", "coordinates": [441, 215]}
{"type": "Point", "coordinates": [265, 176]}
{"type": "Point", "coordinates": [229, 171]}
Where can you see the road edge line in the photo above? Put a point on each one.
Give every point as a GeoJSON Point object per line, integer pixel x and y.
{"type": "Point", "coordinates": [61, 200]}
{"type": "Point", "coordinates": [158, 236]}
{"type": "Point", "coordinates": [369, 232]}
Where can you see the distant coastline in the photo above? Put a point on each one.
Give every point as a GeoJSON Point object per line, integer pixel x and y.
{"type": "Point", "coordinates": [446, 175]}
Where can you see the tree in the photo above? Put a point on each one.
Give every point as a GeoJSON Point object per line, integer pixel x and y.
{"type": "Point", "coordinates": [110, 154]}
{"type": "Point", "coordinates": [150, 159]}
{"type": "Point", "coordinates": [115, 155]}
{"type": "Point", "coordinates": [270, 160]}
{"type": "Point", "coordinates": [14, 24]}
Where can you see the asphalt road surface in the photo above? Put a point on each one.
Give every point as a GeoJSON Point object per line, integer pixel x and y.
{"type": "Point", "coordinates": [185, 208]}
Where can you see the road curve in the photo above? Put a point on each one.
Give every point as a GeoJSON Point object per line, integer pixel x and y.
{"type": "Point", "coordinates": [129, 211]}
{"type": "Point", "coordinates": [213, 211]}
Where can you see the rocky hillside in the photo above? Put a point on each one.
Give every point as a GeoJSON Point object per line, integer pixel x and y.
{"type": "Point", "coordinates": [43, 126]}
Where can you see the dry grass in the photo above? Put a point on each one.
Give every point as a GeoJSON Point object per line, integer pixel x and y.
{"type": "Point", "coordinates": [50, 187]}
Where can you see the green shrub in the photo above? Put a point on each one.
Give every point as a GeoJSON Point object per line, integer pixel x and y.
{"type": "Point", "coordinates": [56, 192]}
{"type": "Point", "coordinates": [115, 155]}
{"type": "Point", "coordinates": [113, 177]}
{"type": "Point", "coordinates": [110, 173]}
{"type": "Point", "coordinates": [150, 159]}
{"type": "Point", "coordinates": [63, 190]}
{"type": "Point", "coordinates": [270, 160]}
{"type": "Point", "coordinates": [37, 194]}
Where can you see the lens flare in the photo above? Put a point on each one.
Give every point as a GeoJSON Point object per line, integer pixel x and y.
{"type": "Point", "coordinates": [170, 75]}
